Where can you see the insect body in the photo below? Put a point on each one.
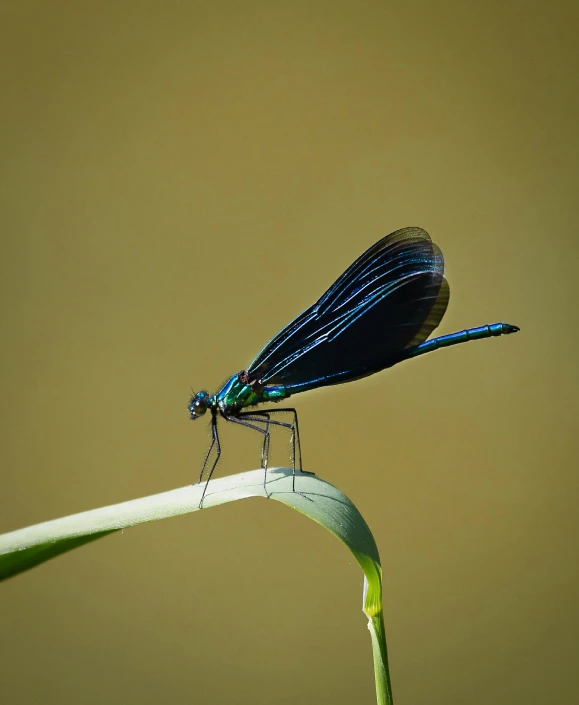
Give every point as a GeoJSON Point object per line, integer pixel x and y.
{"type": "Point", "coordinates": [379, 312]}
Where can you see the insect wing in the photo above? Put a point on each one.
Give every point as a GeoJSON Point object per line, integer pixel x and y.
{"type": "Point", "coordinates": [391, 298]}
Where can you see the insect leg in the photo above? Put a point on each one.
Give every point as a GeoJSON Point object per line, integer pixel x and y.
{"type": "Point", "coordinates": [266, 439]}
{"type": "Point", "coordinates": [264, 418]}
{"type": "Point", "coordinates": [214, 442]}
{"type": "Point", "coordinates": [295, 439]}
{"type": "Point", "coordinates": [296, 445]}
{"type": "Point", "coordinates": [208, 453]}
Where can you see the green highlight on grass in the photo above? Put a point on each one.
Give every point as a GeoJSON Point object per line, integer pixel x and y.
{"type": "Point", "coordinates": [25, 548]}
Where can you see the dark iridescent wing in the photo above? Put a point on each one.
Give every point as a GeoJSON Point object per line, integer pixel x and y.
{"type": "Point", "coordinates": [391, 298]}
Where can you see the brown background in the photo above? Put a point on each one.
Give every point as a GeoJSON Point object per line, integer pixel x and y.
{"type": "Point", "coordinates": [178, 181]}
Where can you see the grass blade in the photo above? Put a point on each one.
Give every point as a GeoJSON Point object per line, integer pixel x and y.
{"type": "Point", "coordinates": [323, 503]}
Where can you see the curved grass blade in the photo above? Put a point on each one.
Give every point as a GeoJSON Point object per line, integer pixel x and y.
{"type": "Point", "coordinates": [25, 548]}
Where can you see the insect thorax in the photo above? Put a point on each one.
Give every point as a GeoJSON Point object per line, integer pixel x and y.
{"type": "Point", "coordinates": [240, 391]}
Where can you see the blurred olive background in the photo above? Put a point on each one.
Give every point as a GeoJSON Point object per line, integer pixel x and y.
{"type": "Point", "coordinates": [179, 180]}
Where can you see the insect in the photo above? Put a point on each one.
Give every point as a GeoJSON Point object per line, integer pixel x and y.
{"type": "Point", "coordinates": [379, 312]}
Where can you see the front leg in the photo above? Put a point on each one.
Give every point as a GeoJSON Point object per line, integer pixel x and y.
{"type": "Point", "coordinates": [214, 442]}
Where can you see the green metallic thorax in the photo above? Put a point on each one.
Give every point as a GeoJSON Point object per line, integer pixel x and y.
{"type": "Point", "coordinates": [236, 395]}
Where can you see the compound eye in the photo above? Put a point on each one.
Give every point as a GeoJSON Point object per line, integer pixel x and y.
{"type": "Point", "coordinates": [199, 406]}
